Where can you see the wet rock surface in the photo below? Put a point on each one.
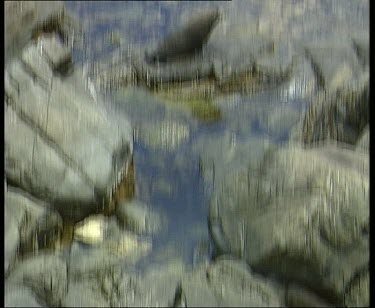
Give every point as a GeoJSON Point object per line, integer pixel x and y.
{"type": "Point", "coordinates": [253, 148]}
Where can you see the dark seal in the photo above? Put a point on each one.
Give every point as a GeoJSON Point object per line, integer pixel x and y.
{"type": "Point", "coordinates": [186, 41]}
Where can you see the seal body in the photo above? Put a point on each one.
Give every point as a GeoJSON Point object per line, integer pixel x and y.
{"type": "Point", "coordinates": [186, 41]}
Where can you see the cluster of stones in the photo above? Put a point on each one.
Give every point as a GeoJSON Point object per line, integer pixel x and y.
{"type": "Point", "coordinates": [299, 213]}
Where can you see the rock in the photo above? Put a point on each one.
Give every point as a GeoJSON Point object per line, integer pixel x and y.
{"type": "Point", "coordinates": [59, 56]}
{"type": "Point", "coordinates": [187, 40]}
{"type": "Point", "coordinates": [361, 45]}
{"type": "Point", "coordinates": [339, 117]}
{"type": "Point", "coordinates": [20, 296]}
{"type": "Point", "coordinates": [139, 218]}
{"type": "Point", "coordinates": [91, 230]}
{"type": "Point", "coordinates": [66, 181]}
{"type": "Point", "coordinates": [234, 285]}
{"type": "Point", "coordinates": [45, 275]}
{"type": "Point", "coordinates": [36, 65]}
{"type": "Point", "coordinates": [105, 245]}
{"type": "Point", "coordinates": [58, 125]}
{"type": "Point", "coordinates": [336, 66]}
{"type": "Point", "coordinates": [155, 288]}
{"type": "Point", "coordinates": [357, 294]}
{"type": "Point", "coordinates": [297, 220]}
{"type": "Point", "coordinates": [298, 296]}
{"type": "Point", "coordinates": [196, 291]}
{"type": "Point", "coordinates": [84, 293]}
{"type": "Point", "coordinates": [30, 226]}
{"type": "Point", "coordinates": [363, 143]}
{"type": "Point", "coordinates": [225, 282]}
{"type": "Point", "coordinates": [23, 18]}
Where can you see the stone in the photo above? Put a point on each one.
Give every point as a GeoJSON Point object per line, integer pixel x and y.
{"type": "Point", "coordinates": [336, 65]}
{"type": "Point", "coordinates": [358, 291]}
{"type": "Point", "coordinates": [33, 59]}
{"type": "Point", "coordinates": [235, 285]}
{"type": "Point", "coordinates": [297, 296]}
{"type": "Point", "coordinates": [187, 40]}
{"type": "Point", "coordinates": [23, 18]}
{"type": "Point", "coordinates": [58, 55]}
{"type": "Point", "coordinates": [296, 220]}
{"type": "Point", "coordinates": [140, 218]}
{"type": "Point", "coordinates": [361, 45]}
{"type": "Point", "coordinates": [20, 296]}
{"type": "Point", "coordinates": [101, 243]}
{"type": "Point", "coordinates": [90, 230]}
{"type": "Point", "coordinates": [45, 275]}
{"type": "Point", "coordinates": [30, 226]}
{"type": "Point", "coordinates": [338, 117]}
{"type": "Point", "coordinates": [84, 293]}
{"type": "Point", "coordinates": [64, 117]}
{"type": "Point", "coordinates": [363, 143]}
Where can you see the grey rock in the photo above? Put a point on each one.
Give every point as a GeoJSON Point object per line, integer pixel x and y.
{"type": "Point", "coordinates": [338, 117]}
{"type": "Point", "coordinates": [82, 135]}
{"type": "Point", "coordinates": [357, 294]}
{"type": "Point", "coordinates": [30, 226]}
{"type": "Point", "coordinates": [140, 218]}
{"type": "Point", "coordinates": [45, 275]}
{"type": "Point", "coordinates": [187, 40]}
{"type": "Point", "coordinates": [66, 182]}
{"type": "Point", "coordinates": [226, 282]}
{"type": "Point", "coordinates": [155, 288]}
{"type": "Point", "coordinates": [336, 65]}
{"type": "Point", "coordinates": [23, 18]}
{"type": "Point", "coordinates": [196, 289]}
{"type": "Point", "coordinates": [115, 246]}
{"type": "Point", "coordinates": [363, 143]}
{"type": "Point", "coordinates": [297, 296]}
{"type": "Point", "coordinates": [297, 220]}
{"type": "Point", "coordinates": [20, 296]}
{"type": "Point", "coordinates": [36, 64]}
{"type": "Point", "coordinates": [234, 284]}
{"type": "Point", "coordinates": [58, 55]}
{"type": "Point", "coordinates": [361, 45]}
{"type": "Point", "coordinates": [84, 293]}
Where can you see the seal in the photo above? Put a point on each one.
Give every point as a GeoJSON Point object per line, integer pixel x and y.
{"type": "Point", "coordinates": [186, 41]}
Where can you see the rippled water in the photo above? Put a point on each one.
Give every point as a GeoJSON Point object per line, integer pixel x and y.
{"type": "Point", "coordinates": [171, 181]}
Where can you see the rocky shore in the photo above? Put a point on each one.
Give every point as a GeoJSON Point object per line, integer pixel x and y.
{"type": "Point", "coordinates": [289, 222]}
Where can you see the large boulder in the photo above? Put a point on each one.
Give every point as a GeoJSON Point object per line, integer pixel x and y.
{"type": "Point", "coordinates": [61, 143]}
{"type": "Point", "coordinates": [303, 216]}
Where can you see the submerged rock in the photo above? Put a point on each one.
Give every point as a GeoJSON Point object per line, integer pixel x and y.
{"type": "Point", "coordinates": [140, 218]}
{"type": "Point", "coordinates": [166, 135]}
